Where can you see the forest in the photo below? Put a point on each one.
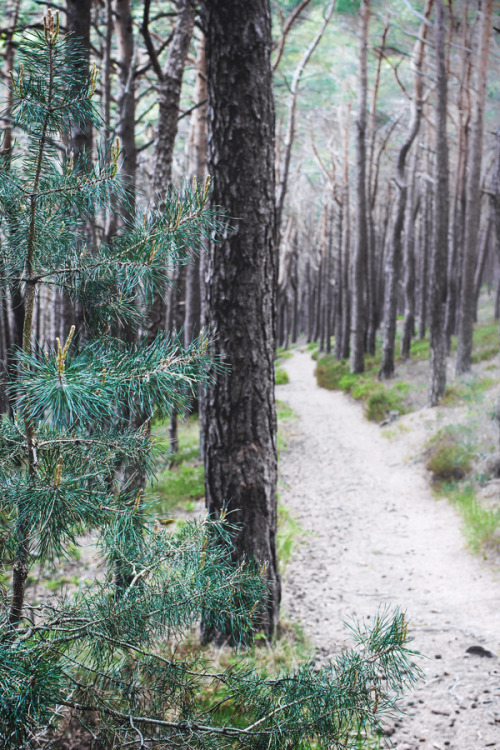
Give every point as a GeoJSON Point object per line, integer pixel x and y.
{"type": "Point", "coordinates": [249, 339]}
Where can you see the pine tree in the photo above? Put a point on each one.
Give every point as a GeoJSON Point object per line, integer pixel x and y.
{"type": "Point", "coordinates": [100, 653]}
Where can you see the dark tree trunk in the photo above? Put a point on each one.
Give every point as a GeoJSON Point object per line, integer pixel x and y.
{"type": "Point", "coordinates": [358, 311]}
{"type": "Point", "coordinates": [466, 324]}
{"type": "Point", "coordinates": [170, 93]}
{"type": "Point", "coordinates": [78, 15]}
{"type": "Point", "coordinates": [484, 252]}
{"type": "Point", "coordinates": [437, 372]}
{"type": "Point", "coordinates": [197, 167]}
{"type": "Point", "coordinates": [11, 304]}
{"type": "Point", "coordinates": [394, 257]}
{"type": "Point", "coordinates": [124, 33]}
{"type": "Point", "coordinates": [423, 247]}
{"type": "Point", "coordinates": [170, 84]}
{"type": "Point", "coordinates": [409, 262]}
{"type": "Point", "coordinates": [240, 420]}
{"type": "Point", "coordinates": [455, 254]}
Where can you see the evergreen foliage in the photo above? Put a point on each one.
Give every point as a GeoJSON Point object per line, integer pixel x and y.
{"type": "Point", "coordinates": [100, 653]}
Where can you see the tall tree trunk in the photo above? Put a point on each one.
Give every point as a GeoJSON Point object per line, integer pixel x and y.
{"type": "Point", "coordinates": [197, 167]}
{"type": "Point", "coordinates": [409, 260]}
{"type": "Point", "coordinates": [372, 301]}
{"type": "Point", "coordinates": [358, 325]}
{"type": "Point", "coordinates": [11, 304]}
{"type": "Point", "coordinates": [393, 261]}
{"type": "Point", "coordinates": [455, 254]}
{"type": "Point", "coordinates": [290, 131]}
{"type": "Point", "coordinates": [484, 252]}
{"type": "Point", "coordinates": [437, 372]}
{"type": "Point", "coordinates": [240, 420]}
{"type": "Point", "coordinates": [170, 93]}
{"type": "Point", "coordinates": [124, 34]}
{"type": "Point", "coordinates": [78, 18]}
{"type": "Point", "coordinates": [464, 350]}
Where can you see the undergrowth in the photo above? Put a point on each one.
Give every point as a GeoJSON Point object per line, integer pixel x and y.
{"type": "Point", "coordinates": [481, 524]}
{"type": "Point", "coordinates": [379, 398]}
{"type": "Point", "coordinates": [281, 376]}
{"type": "Point", "coordinates": [449, 454]}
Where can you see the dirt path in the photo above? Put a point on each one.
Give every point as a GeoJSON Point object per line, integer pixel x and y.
{"type": "Point", "coordinates": [378, 536]}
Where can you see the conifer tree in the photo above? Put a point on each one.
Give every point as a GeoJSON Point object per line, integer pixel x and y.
{"type": "Point", "coordinates": [100, 654]}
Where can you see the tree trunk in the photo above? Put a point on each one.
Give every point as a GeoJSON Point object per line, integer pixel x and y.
{"type": "Point", "coordinates": [124, 33]}
{"type": "Point", "coordinates": [197, 167]}
{"type": "Point", "coordinates": [437, 372]}
{"type": "Point", "coordinates": [455, 254]}
{"type": "Point", "coordinates": [358, 325]}
{"type": "Point", "coordinates": [240, 420]}
{"type": "Point", "coordinates": [393, 261]}
{"type": "Point", "coordinates": [409, 262]}
{"type": "Point", "coordinates": [464, 350]}
{"type": "Point", "coordinates": [170, 93]}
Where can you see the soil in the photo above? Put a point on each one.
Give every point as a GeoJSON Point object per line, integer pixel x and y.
{"type": "Point", "coordinates": [377, 535]}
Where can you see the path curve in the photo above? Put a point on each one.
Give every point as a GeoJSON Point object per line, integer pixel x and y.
{"type": "Point", "coordinates": [379, 536]}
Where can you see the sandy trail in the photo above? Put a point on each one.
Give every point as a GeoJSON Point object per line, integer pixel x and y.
{"type": "Point", "coordinates": [378, 536]}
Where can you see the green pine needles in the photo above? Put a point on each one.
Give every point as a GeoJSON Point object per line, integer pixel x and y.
{"type": "Point", "coordinates": [70, 455]}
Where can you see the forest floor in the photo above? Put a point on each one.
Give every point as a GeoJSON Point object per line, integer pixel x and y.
{"type": "Point", "coordinates": [375, 534]}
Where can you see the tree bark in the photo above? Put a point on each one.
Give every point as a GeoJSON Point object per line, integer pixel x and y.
{"type": "Point", "coordinates": [455, 254]}
{"type": "Point", "coordinates": [170, 93]}
{"type": "Point", "coordinates": [197, 167]}
{"type": "Point", "coordinates": [124, 33]}
{"type": "Point", "coordinates": [466, 306]}
{"type": "Point", "coordinates": [240, 420]}
{"type": "Point", "coordinates": [437, 372]}
{"type": "Point", "coordinates": [393, 261]}
{"type": "Point", "coordinates": [358, 309]}
{"type": "Point", "coordinates": [409, 261]}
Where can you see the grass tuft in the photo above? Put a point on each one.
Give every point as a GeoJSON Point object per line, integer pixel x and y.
{"type": "Point", "coordinates": [449, 456]}
{"type": "Point", "coordinates": [481, 525]}
{"type": "Point", "coordinates": [281, 376]}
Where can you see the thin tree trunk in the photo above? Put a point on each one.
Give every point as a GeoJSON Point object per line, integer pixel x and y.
{"type": "Point", "coordinates": [358, 325]}
{"type": "Point", "coordinates": [197, 168]}
{"type": "Point", "coordinates": [409, 261]}
{"type": "Point", "coordinates": [393, 261]}
{"type": "Point", "coordinates": [290, 131]}
{"type": "Point", "coordinates": [464, 350]}
{"type": "Point", "coordinates": [124, 34]}
{"type": "Point", "coordinates": [438, 349]}
{"type": "Point", "coordinates": [455, 254]}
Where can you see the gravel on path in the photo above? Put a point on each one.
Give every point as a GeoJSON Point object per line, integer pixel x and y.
{"type": "Point", "coordinates": [378, 536]}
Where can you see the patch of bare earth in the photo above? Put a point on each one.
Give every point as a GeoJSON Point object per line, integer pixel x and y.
{"type": "Point", "coordinates": [379, 537]}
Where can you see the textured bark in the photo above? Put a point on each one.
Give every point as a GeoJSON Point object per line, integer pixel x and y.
{"type": "Point", "coordinates": [197, 167]}
{"type": "Point", "coordinates": [464, 349]}
{"type": "Point", "coordinates": [78, 16]}
{"type": "Point", "coordinates": [437, 372]}
{"type": "Point", "coordinates": [423, 250]}
{"type": "Point", "coordinates": [394, 257]}
{"type": "Point", "coordinates": [372, 187]}
{"type": "Point", "coordinates": [409, 261]}
{"type": "Point", "coordinates": [124, 35]}
{"type": "Point", "coordinates": [11, 308]}
{"type": "Point", "coordinates": [484, 251]}
{"type": "Point", "coordinates": [240, 420]}
{"type": "Point", "coordinates": [170, 93]}
{"type": "Point", "coordinates": [458, 211]}
{"type": "Point", "coordinates": [290, 130]}
{"type": "Point", "coordinates": [169, 100]}
{"type": "Point", "coordinates": [358, 323]}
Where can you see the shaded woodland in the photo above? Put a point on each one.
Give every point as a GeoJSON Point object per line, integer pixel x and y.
{"type": "Point", "coordinates": [368, 201]}
{"type": "Point", "coordinates": [302, 170]}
